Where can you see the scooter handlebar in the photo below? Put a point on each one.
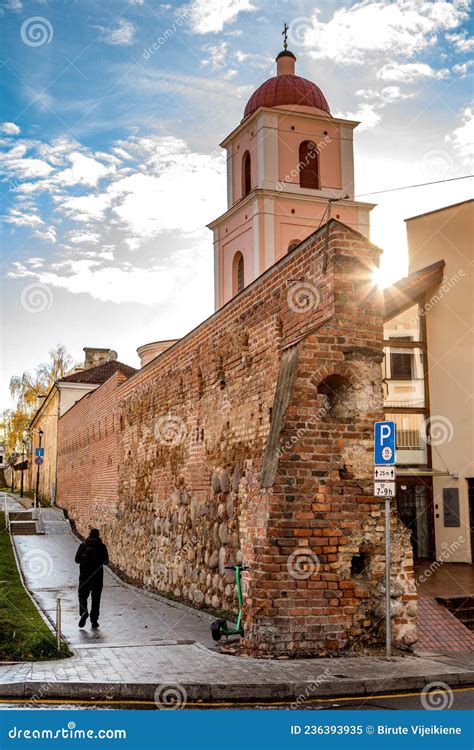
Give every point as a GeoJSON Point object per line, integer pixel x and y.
{"type": "Point", "coordinates": [233, 567]}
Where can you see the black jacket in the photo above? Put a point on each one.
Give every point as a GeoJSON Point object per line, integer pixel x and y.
{"type": "Point", "coordinates": [91, 556]}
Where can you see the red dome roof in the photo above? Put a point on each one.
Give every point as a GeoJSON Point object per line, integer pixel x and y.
{"type": "Point", "coordinates": [286, 89]}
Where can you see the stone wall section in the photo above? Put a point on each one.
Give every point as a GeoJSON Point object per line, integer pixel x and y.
{"type": "Point", "coordinates": [251, 439]}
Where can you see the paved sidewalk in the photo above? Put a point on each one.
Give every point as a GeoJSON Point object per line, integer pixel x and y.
{"type": "Point", "coordinates": [440, 631]}
{"type": "Point", "coordinates": [128, 616]}
{"type": "Point", "coordinates": [146, 642]}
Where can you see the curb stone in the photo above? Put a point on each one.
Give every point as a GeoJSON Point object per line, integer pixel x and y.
{"type": "Point", "coordinates": [289, 691]}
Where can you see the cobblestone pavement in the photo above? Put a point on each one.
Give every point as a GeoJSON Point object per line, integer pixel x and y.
{"type": "Point", "coordinates": [147, 642]}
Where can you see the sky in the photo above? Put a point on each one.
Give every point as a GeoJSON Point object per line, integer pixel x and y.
{"type": "Point", "coordinates": [110, 167]}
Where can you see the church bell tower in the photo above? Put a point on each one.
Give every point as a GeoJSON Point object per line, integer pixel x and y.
{"type": "Point", "coordinates": [290, 167]}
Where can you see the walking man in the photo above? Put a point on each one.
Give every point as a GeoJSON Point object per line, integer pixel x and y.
{"type": "Point", "coordinates": [91, 556]}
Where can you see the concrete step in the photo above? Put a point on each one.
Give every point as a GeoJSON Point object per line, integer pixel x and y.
{"type": "Point", "coordinates": [23, 528]}
{"type": "Point", "coordinates": [20, 515]}
{"type": "Point", "coordinates": [462, 607]}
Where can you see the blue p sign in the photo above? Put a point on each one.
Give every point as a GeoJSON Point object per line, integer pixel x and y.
{"type": "Point", "coordinates": [384, 443]}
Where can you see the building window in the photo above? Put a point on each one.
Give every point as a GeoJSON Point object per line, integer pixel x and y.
{"type": "Point", "coordinates": [401, 365]}
{"type": "Point", "coordinates": [308, 165]}
{"type": "Point", "coordinates": [238, 273]}
{"type": "Point", "coordinates": [411, 445]}
{"type": "Point", "coordinates": [246, 174]}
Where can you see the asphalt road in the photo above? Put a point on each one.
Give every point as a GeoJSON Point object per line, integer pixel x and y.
{"type": "Point", "coordinates": [462, 698]}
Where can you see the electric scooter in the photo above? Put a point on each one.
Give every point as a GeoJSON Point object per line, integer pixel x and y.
{"type": "Point", "coordinates": [220, 627]}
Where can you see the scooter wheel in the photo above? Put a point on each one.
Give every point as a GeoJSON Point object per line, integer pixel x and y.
{"type": "Point", "coordinates": [216, 629]}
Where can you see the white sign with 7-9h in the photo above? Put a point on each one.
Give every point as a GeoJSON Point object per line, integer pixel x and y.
{"type": "Point", "coordinates": [384, 489]}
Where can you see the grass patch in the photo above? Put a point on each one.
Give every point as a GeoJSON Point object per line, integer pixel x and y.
{"type": "Point", "coordinates": [24, 636]}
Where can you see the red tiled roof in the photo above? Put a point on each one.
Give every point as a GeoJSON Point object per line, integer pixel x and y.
{"type": "Point", "coordinates": [286, 89]}
{"type": "Point", "coordinates": [99, 374]}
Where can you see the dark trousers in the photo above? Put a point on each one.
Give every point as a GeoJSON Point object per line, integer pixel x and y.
{"type": "Point", "coordinates": [90, 586]}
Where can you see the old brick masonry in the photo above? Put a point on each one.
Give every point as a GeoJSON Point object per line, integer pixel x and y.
{"type": "Point", "coordinates": [251, 438]}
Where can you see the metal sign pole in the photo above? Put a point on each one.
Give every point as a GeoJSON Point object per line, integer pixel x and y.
{"type": "Point", "coordinates": [388, 618]}
{"type": "Point", "coordinates": [385, 441]}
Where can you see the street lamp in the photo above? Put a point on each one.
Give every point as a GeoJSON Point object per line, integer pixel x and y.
{"type": "Point", "coordinates": [22, 465]}
{"type": "Point", "coordinates": [40, 435]}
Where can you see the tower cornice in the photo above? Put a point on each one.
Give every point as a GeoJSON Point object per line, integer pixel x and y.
{"type": "Point", "coordinates": [296, 196]}
{"type": "Point", "coordinates": [294, 113]}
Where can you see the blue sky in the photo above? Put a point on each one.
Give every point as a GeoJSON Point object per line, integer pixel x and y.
{"type": "Point", "coordinates": [112, 114]}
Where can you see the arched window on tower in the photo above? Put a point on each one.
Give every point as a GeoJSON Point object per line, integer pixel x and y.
{"type": "Point", "coordinates": [308, 165]}
{"type": "Point", "coordinates": [293, 244]}
{"type": "Point", "coordinates": [246, 174]}
{"type": "Point", "coordinates": [238, 280]}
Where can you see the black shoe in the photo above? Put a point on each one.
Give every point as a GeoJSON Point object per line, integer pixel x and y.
{"type": "Point", "coordinates": [94, 625]}
{"type": "Point", "coordinates": [83, 620]}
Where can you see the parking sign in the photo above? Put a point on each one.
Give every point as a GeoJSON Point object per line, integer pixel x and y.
{"type": "Point", "coordinates": [384, 443]}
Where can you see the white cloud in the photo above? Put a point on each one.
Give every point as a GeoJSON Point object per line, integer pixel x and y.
{"type": "Point", "coordinates": [152, 202]}
{"type": "Point", "coordinates": [84, 170]}
{"type": "Point", "coordinates": [366, 114]}
{"type": "Point", "coordinates": [374, 29]}
{"type": "Point", "coordinates": [85, 207]}
{"type": "Point", "coordinates": [23, 168]}
{"type": "Point", "coordinates": [463, 137]}
{"type": "Point", "coordinates": [383, 96]}
{"type": "Point", "coordinates": [9, 128]}
{"type": "Point", "coordinates": [218, 59]}
{"type": "Point", "coordinates": [210, 16]}
{"type": "Point", "coordinates": [217, 55]}
{"type": "Point", "coordinates": [49, 235]}
{"type": "Point", "coordinates": [122, 34]}
{"type": "Point", "coordinates": [85, 238]}
{"type": "Point", "coordinates": [462, 69]}
{"type": "Point", "coordinates": [409, 72]}
{"type": "Point", "coordinates": [119, 283]}
{"type": "Point", "coordinates": [23, 218]}
{"type": "Point", "coordinates": [461, 41]}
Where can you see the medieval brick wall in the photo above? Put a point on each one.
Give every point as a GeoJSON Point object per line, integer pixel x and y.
{"type": "Point", "coordinates": [251, 439]}
{"type": "Point", "coordinates": [87, 459]}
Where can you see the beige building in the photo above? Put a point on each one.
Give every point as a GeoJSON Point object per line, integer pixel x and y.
{"type": "Point", "coordinates": [99, 365]}
{"type": "Point", "coordinates": [429, 383]}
